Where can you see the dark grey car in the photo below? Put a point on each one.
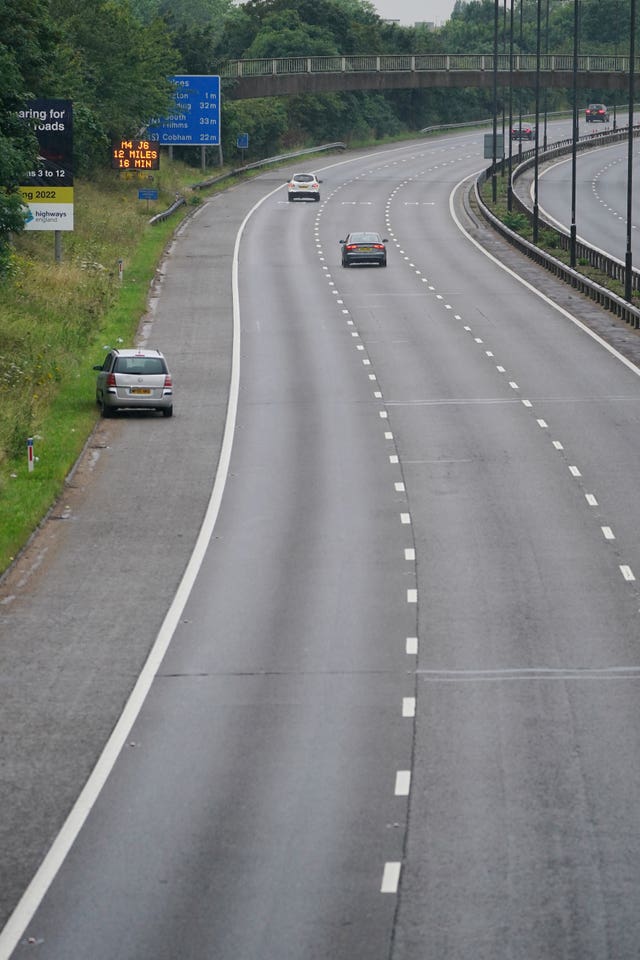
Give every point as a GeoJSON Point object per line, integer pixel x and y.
{"type": "Point", "coordinates": [596, 113]}
{"type": "Point", "coordinates": [364, 247]}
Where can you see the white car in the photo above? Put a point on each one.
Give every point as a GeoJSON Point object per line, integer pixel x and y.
{"type": "Point", "coordinates": [303, 185]}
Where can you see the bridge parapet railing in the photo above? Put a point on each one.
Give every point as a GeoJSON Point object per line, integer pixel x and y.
{"type": "Point", "coordinates": [388, 63]}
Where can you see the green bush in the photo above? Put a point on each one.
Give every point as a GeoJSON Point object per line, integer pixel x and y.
{"type": "Point", "coordinates": [516, 221]}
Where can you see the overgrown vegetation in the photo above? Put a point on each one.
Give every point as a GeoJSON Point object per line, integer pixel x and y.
{"type": "Point", "coordinates": [56, 320]}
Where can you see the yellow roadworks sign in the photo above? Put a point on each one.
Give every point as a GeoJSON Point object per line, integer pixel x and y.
{"type": "Point", "coordinates": [42, 194]}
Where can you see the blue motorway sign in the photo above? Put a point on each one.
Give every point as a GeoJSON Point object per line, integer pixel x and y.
{"type": "Point", "coordinates": [242, 141]}
{"type": "Point", "coordinates": [196, 121]}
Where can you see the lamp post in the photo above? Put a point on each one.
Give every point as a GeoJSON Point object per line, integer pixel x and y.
{"type": "Point", "coordinates": [494, 182]}
{"type": "Point", "coordinates": [546, 89]}
{"type": "Point", "coordinates": [509, 185]}
{"type": "Point", "coordinates": [628, 260]}
{"type": "Point", "coordinates": [504, 103]}
{"type": "Point", "coordinates": [519, 89]}
{"type": "Point", "coordinates": [615, 56]}
{"type": "Point", "coordinates": [536, 162]}
{"type": "Point", "coordinates": [574, 133]}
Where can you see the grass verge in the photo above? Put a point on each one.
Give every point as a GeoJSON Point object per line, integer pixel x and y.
{"type": "Point", "coordinates": [62, 419]}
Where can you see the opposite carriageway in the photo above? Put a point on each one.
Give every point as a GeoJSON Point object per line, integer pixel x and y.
{"type": "Point", "coordinates": [270, 77]}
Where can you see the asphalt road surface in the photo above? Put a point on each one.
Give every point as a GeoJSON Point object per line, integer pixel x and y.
{"type": "Point", "coordinates": [398, 715]}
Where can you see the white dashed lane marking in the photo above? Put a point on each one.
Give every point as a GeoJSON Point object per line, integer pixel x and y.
{"type": "Point", "coordinates": [390, 877]}
{"type": "Point", "coordinates": [403, 783]}
{"type": "Point", "coordinates": [411, 646]}
{"type": "Point", "coordinates": [408, 706]}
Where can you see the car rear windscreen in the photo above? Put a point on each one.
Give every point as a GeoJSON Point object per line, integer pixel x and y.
{"type": "Point", "coordinates": [139, 365]}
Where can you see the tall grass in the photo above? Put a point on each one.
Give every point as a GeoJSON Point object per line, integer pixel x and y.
{"type": "Point", "coordinates": [54, 320]}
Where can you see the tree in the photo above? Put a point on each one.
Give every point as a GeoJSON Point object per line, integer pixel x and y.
{"type": "Point", "coordinates": [115, 71]}
{"type": "Point", "coordinates": [286, 35]}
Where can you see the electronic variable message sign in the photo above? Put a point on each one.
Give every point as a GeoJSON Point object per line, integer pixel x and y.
{"type": "Point", "coordinates": [196, 119]}
{"type": "Point", "coordinates": [47, 190]}
{"type": "Point", "coordinates": [135, 155]}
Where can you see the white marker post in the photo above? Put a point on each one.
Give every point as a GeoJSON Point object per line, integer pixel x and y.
{"type": "Point", "coordinates": [30, 453]}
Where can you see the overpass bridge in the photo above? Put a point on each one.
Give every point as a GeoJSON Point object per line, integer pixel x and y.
{"type": "Point", "coordinates": [288, 76]}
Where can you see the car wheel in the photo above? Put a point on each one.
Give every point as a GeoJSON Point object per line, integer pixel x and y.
{"type": "Point", "coordinates": [317, 198]}
{"type": "Point", "coordinates": [290, 199]}
{"type": "Point", "coordinates": [345, 263]}
{"type": "Point", "coordinates": [105, 410]}
{"type": "Point", "coordinates": [167, 411]}
{"type": "Point", "coordinates": [383, 263]}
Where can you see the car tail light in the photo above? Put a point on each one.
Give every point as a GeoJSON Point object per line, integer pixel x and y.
{"type": "Point", "coordinates": [351, 246]}
{"type": "Point", "coordinates": [111, 379]}
{"type": "Point", "coordinates": [167, 380]}
{"type": "Point", "coordinates": [378, 246]}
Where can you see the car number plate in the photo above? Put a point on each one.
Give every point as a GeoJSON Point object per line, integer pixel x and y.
{"type": "Point", "coordinates": [366, 249]}
{"type": "Point", "coordinates": [141, 391]}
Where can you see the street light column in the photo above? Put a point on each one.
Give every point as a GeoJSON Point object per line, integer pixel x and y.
{"type": "Point", "coordinates": [574, 133]}
{"type": "Point", "coordinates": [537, 141]}
{"type": "Point", "coordinates": [628, 260]}
{"type": "Point", "coordinates": [494, 152]}
{"type": "Point", "coordinates": [509, 185]}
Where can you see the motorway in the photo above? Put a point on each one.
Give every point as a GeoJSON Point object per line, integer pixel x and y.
{"type": "Point", "coordinates": [601, 198]}
{"type": "Point", "coordinates": [392, 713]}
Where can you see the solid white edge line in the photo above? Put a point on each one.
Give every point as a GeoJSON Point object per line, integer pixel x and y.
{"type": "Point", "coordinates": [53, 860]}
{"type": "Point", "coordinates": [594, 336]}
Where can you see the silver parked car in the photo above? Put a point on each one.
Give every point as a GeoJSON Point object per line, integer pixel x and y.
{"type": "Point", "coordinates": [136, 379]}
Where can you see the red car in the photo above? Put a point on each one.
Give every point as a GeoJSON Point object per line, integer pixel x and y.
{"type": "Point", "coordinates": [523, 131]}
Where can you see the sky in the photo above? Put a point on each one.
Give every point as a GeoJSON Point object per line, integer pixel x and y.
{"type": "Point", "coordinates": [409, 12]}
